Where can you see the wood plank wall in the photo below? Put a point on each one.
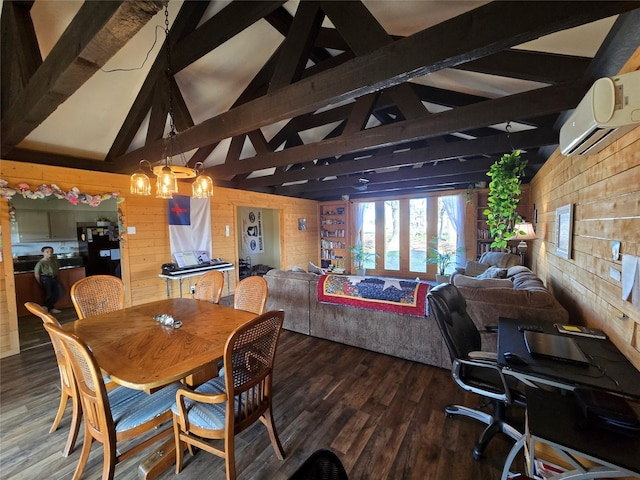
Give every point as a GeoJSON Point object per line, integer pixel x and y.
{"type": "Point", "coordinates": [144, 252]}
{"type": "Point", "coordinates": [605, 191]}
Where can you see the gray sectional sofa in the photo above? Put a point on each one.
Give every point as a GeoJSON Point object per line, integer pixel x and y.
{"type": "Point", "coordinates": [518, 293]}
{"type": "Point", "coordinates": [404, 336]}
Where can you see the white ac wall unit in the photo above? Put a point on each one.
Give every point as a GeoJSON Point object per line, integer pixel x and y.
{"type": "Point", "coordinates": [610, 109]}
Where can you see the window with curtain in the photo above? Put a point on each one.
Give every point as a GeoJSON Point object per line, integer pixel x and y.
{"type": "Point", "coordinates": [368, 231]}
{"type": "Point", "coordinates": [418, 235]}
{"type": "Point", "coordinates": [403, 230]}
{"type": "Point", "coordinates": [391, 235]}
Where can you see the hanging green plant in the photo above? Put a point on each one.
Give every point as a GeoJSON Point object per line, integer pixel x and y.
{"type": "Point", "coordinates": [504, 194]}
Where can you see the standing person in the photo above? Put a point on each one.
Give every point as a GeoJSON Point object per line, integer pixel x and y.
{"type": "Point", "coordinates": [46, 273]}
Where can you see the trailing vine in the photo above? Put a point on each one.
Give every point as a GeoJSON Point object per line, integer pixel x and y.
{"type": "Point", "coordinates": [504, 195]}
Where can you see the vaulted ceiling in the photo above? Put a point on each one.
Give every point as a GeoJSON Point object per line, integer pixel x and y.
{"type": "Point", "coordinates": [312, 99]}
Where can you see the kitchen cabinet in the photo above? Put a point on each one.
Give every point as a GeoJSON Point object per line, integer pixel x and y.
{"type": "Point", "coordinates": [40, 225]}
{"type": "Point", "coordinates": [33, 225]}
{"type": "Point", "coordinates": [62, 225]}
{"type": "Point", "coordinates": [28, 290]}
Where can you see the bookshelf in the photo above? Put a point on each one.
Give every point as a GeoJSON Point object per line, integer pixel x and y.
{"type": "Point", "coordinates": [334, 235]}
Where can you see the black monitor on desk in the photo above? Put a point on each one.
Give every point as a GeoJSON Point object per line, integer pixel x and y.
{"type": "Point", "coordinates": [608, 368]}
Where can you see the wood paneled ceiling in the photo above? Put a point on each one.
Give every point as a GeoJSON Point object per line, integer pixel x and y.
{"type": "Point", "coordinates": [311, 99]}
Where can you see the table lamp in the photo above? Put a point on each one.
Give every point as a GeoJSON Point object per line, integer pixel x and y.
{"type": "Point", "coordinates": [524, 231]}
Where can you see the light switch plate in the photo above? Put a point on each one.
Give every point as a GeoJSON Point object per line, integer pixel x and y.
{"type": "Point", "coordinates": [226, 230]}
{"type": "Point", "coordinates": [131, 230]}
{"type": "Point", "coordinates": [615, 274]}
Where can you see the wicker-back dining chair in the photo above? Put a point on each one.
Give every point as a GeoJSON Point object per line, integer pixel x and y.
{"type": "Point", "coordinates": [228, 404]}
{"type": "Point", "coordinates": [251, 295]}
{"type": "Point", "coordinates": [119, 415]}
{"type": "Point", "coordinates": [67, 383]}
{"type": "Point", "coordinates": [97, 294]}
{"type": "Point", "coordinates": [209, 287]}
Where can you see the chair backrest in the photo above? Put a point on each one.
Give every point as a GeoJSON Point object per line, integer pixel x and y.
{"type": "Point", "coordinates": [209, 287]}
{"type": "Point", "coordinates": [97, 294]}
{"type": "Point", "coordinates": [248, 363]}
{"type": "Point", "coordinates": [90, 386]}
{"type": "Point", "coordinates": [449, 308]}
{"type": "Point", "coordinates": [64, 366]}
{"type": "Point", "coordinates": [251, 295]}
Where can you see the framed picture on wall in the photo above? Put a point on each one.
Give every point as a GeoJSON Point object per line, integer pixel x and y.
{"type": "Point", "coordinates": [564, 230]}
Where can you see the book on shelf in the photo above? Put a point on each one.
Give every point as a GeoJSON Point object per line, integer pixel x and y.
{"type": "Point", "coordinates": [580, 331]}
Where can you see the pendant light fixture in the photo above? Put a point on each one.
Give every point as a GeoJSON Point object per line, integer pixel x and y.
{"type": "Point", "coordinates": [139, 183]}
{"type": "Point", "coordinates": [167, 174]}
{"type": "Point", "coordinates": [202, 186]}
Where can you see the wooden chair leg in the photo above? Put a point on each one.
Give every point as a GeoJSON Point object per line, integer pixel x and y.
{"type": "Point", "coordinates": [267, 419]}
{"type": "Point", "coordinates": [179, 449]}
{"type": "Point", "coordinates": [63, 404]}
{"type": "Point", "coordinates": [84, 455]}
{"type": "Point", "coordinates": [76, 417]}
{"type": "Point", "coordinates": [109, 463]}
{"type": "Point", "coordinates": [230, 456]}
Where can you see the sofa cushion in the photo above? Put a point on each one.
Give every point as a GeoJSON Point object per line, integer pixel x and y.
{"type": "Point", "coordinates": [315, 269]}
{"type": "Point", "coordinates": [465, 281]}
{"type": "Point", "coordinates": [500, 259]}
{"type": "Point", "coordinates": [493, 272]}
{"type": "Point", "coordinates": [528, 281]}
{"type": "Point", "coordinates": [512, 271]}
{"type": "Point", "coordinates": [473, 269]}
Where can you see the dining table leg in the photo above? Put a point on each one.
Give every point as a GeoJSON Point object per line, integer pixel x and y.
{"type": "Point", "coordinates": [163, 458]}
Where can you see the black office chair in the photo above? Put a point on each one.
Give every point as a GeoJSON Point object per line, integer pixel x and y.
{"type": "Point", "coordinates": [475, 371]}
{"type": "Point", "coordinates": [322, 464]}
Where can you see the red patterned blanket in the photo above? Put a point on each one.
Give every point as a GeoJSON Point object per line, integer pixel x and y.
{"type": "Point", "coordinates": [378, 293]}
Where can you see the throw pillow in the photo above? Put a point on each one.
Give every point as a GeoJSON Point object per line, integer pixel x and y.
{"type": "Point", "coordinates": [473, 269]}
{"type": "Point", "coordinates": [493, 272]}
{"type": "Point", "coordinates": [315, 269]}
{"type": "Point", "coordinates": [516, 270]}
{"type": "Point", "coordinates": [464, 281]}
{"type": "Point", "coordinates": [298, 269]}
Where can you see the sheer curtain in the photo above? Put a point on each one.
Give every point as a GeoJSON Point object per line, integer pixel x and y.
{"type": "Point", "coordinates": [454, 206]}
{"type": "Point", "coordinates": [359, 223]}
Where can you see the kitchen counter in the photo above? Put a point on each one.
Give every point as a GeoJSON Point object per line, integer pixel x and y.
{"type": "Point", "coordinates": [28, 290]}
{"type": "Point", "coordinates": [28, 263]}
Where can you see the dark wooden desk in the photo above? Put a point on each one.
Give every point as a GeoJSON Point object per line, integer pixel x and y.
{"type": "Point", "coordinates": [554, 419]}
{"type": "Point", "coordinates": [609, 369]}
{"type": "Point", "coordinates": [138, 352]}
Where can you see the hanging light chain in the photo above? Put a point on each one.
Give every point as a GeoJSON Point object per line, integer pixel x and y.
{"type": "Point", "coordinates": [169, 72]}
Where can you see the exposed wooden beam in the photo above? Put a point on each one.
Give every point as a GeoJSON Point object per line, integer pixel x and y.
{"type": "Point", "coordinates": [464, 148]}
{"type": "Point", "coordinates": [442, 170]}
{"type": "Point", "coordinates": [533, 66]}
{"type": "Point", "coordinates": [400, 187]}
{"type": "Point", "coordinates": [95, 34]}
{"type": "Point", "coordinates": [297, 45]}
{"type": "Point", "coordinates": [186, 20]}
{"type": "Point", "coordinates": [44, 158]}
{"type": "Point", "coordinates": [19, 52]}
{"type": "Point", "coordinates": [523, 105]}
{"type": "Point", "coordinates": [481, 32]}
{"type": "Point", "coordinates": [226, 24]}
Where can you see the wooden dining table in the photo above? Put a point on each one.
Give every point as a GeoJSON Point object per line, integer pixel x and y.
{"type": "Point", "coordinates": [137, 351]}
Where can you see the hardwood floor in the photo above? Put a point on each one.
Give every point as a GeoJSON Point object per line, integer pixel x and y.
{"type": "Point", "coordinates": [384, 417]}
{"type": "Point", "coordinates": [32, 333]}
